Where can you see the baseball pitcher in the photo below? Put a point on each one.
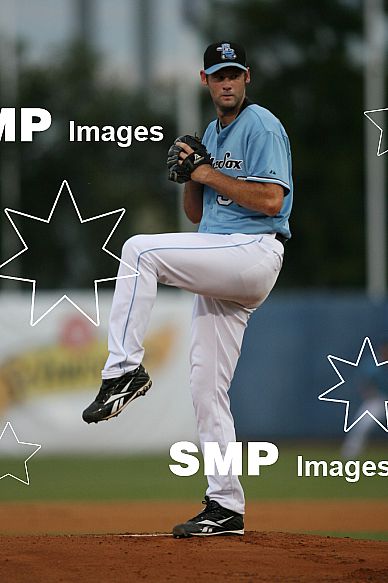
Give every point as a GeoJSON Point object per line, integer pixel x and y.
{"type": "Point", "coordinates": [238, 187]}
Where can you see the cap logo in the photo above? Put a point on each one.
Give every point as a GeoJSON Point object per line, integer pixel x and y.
{"type": "Point", "coordinates": [226, 51]}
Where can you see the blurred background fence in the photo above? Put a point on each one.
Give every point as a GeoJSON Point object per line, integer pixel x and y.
{"type": "Point", "coordinates": [49, 373]}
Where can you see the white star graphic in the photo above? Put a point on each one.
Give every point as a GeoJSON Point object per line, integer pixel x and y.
{"type": "Point", "coordinates": [323, 396]}
{"type": "Point", "coordinates": [65, 187]}
{"type": "Point", "coordinates": [380, 114]}
{"type": "Point", "coordinates": [21, 443]}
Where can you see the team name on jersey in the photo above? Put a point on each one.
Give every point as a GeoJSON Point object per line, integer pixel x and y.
{"type": "Point", "coordinates": [227, 162]}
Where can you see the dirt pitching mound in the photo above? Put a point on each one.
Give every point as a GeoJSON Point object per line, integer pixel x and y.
{"type": "Point", "coordinates": [256, 557]}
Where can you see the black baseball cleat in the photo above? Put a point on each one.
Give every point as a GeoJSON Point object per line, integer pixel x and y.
{"type": "Point", "coordinates": [214, 519]}
{"type": "Point", "coordinates": [117, 393]}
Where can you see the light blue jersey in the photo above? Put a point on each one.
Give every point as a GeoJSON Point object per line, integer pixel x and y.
{"type": "Point", "coordinates": [253, 147]}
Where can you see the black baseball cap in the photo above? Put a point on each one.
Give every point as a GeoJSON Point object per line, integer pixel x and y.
{"type": "Point", "coordinates": [224, 54]}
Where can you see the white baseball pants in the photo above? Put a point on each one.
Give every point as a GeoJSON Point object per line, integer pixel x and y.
{"type": "Point", "coordinates": [231, 275]}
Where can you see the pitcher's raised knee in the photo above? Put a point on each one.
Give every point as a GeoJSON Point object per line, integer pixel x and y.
{"type": "Point", "coordinates": [136, 245]}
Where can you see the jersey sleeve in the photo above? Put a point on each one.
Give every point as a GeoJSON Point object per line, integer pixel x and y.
{"type": "Point", "coordinates": [268, 159]}
{"type": "Point", "coordinates": [206, 135]}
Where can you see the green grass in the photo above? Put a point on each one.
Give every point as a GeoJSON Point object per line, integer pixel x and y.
{"type": "Point", "coordinates": [361, 535]}
{"type": "Point", "coordinates": [148, 477]}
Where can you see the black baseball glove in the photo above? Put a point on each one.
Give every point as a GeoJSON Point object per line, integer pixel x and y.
{"type": "Point", "coordinates": [181, 172]}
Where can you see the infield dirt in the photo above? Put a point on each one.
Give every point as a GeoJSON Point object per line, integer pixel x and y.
{"type": "Point", "coordinates": [30, 553]}
{"type": "Point", "coordinates": [256, 557]}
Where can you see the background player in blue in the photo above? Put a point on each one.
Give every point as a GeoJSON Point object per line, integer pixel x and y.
{"type": "Point", "coordinates": [239, 190]}
{"type": "Point", "coordinates": [373, 390]}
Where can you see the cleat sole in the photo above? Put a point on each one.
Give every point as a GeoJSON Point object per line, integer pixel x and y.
{"type": "Point", "coordinates": [141, 391]}
{"type": "Point", "coordinates": [180, 532]}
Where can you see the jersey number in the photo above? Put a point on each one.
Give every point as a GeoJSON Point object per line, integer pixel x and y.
{"type": "Point", "coordinates": [223, 201]}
